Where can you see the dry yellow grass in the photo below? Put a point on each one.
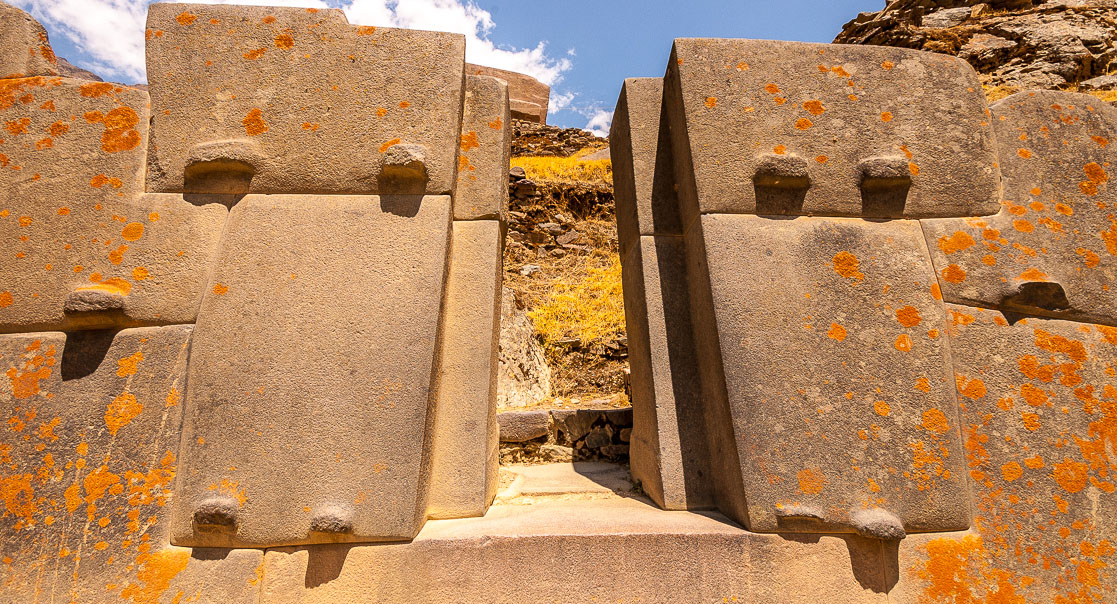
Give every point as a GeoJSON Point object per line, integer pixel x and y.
{"type": "Point", "coordinates": [566, 169]}
{"type": "Point", "coordinates": [585, 303]}
{"type": "Point", "coordinates": [996, 93]}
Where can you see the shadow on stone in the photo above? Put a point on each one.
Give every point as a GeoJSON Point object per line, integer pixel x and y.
{"type": "Point", "coordinates": [324, 564]}
{"type": "Point", "coordinates": [84, 352]}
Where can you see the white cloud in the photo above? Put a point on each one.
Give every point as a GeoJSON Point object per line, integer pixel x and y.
{"type": "Point", "coordinates": [466, 18]}
{"type": "Point", "coordinates": [599, 122]}
{"type": "Point", "coordinates": [559, 101]}
{"type": "Point", "coordinates": [111, 32]}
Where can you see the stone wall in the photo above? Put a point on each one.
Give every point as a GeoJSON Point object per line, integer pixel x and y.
{"type": "Point", "coordinates": [528, 97]}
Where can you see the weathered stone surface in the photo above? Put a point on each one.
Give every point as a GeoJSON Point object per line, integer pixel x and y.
{"type": "Point", "coordinates": [668, 450]}
{"type": "Point", "coordinates": [587, 551]}
{"type": "Point", "coordinates": [741, 109]}
{"type": "Point", "coordinates": [89, 457]}
{"type": "Point", "coordinates": [300, 100]}
{"type": "Point", "coordinates": [528, 96]}
{"type": "Point", "coordinates": [314, 363]}
{"type": "Point", "coordinates": [835, 394]}
{"type": "Point", "coordinates": [1052, 249]}
{"type": "Point", "coordinates": [643, 179]}
{"type": "Point", "coordinates": [464, 451]}
{"type": "Point", "coordinates": [77, 221]}
{"type": "Point", "coordinates": [521, 426]}
{"type": "Point", "coordinates": [485, 147]}
{"type": "Point", "coordinates": [24, 48]}
{"type": "Point", "coordinates": [574, 424]}
{"type": "Point", "coordinates": [1038, 423]}
{"type": "Point", "coordinates": [523, 374]}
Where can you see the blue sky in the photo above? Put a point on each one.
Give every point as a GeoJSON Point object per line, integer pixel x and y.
{"type": "Point", "coordinates": [583, 48]}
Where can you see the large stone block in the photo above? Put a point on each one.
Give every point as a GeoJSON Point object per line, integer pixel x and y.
{"type": "Point", "coordinates": [827, 384]}
{"type": "Point", "coordinates": [771, 127]}
{"type": "Point", "coordinates": [668, 449]}
{"type": "Point", "coordinates": [527, 96]}
{"type": "Point", "coordinates": [1052, 249]}
{"type": "Point", "coordinates": [87, 248]}
{"type": "Point", "coordinates": [585, 551]}
{"type": "Point", "coordinates": [282, 100]}
{"type": "Point", "coordinates": [486, 146]}
{"type": "Point", "coordinates": [309, 407]}
{"type": "Point", "coordinates": [643, 178]}
{"type": "Point", "coordinates": [1040, 432]}
{"type": "Point", "coordinates": [24, 48]}
{"type": "Point", "coordinates": [88, 455]}
{"type": "Point", "coordinates": [464, 450]}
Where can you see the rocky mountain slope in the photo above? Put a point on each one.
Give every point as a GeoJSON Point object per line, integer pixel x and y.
{"type": "Point", "coordinates": [1014, 44]}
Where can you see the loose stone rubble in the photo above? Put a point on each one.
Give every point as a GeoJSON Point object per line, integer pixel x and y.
{"type": "Point", "coordinates": [250, 330]}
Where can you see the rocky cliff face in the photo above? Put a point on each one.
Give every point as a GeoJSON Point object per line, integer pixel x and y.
{"type": "Point", "coordinates": [1053, 44]}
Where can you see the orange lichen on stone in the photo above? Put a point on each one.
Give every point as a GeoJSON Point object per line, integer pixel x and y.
{"type": "Point", "coordinates": [25, 382]}
{"type": "Point", "coordinates": [101, 180]}
{"type": "Point", "coordinates": [156, 571]}
{"type": "Point", "coordinates": [254, 123]}
{"type": "Point", "coordinates": [1070, 475]}
{"type": "Point", "coordinates": [1095, 175]}
{"type": "Point", "coordinates": [469, 141]}
{"type": "Point", "coordinates": [1033, 274]}
{"type": "Point", "coordinates": [17, 127]}
{"type": "Point", "coordinates": [220, 289]}
{"type": "Point", "coordinates": [836, 332]}
{"type": "Point", "coordinates": [365, 30]}
{"type": "Point", "coordinates": [1011, 471]}
{"type": "Point", "coordinates": [711, 102]}
{"type": "Point", "coordinates": [1024, 153]}
{"type": "Point", "coordinates": [886, 116]}
{"type": "Point", "coordinates": [121, 411]}
{"type": "Point", "coordinates": [780, 150]}
{"type": "Point", "coordinates": [903, 343]}
{"type": "Point", "coordinates": [284, 41]}
{"type": "Point", "coordinates": [803, 123]}
{"type": "Point", "coordinates": [252, 55]}
{"type": "Point", "coordinates": [120, 133]}
{"type": "Point", "coordinates": [887, 65]}
{"type": "Point", "coordinates": [882, 408]}
{"type": "Point", "coordinates": [974, 388]}
{"type": "Point", "coordinates": [954, 273]}
{"type": "Point", "coordinates": [814, 107]}
{"type": "Point", "coordinates": [388, 145]}
{"type": "Point", "coordinates": [132, 231]}
{"type": "Point", "coordinates": [822, 159]}
{"type": "Point", "coordinates": [957, 242]}
{"type": "Point", "coordinates": [908, 316]}
{"type": "Point", "coordinates": [811, 481]}
{"type": "Point", "coordinates": [772, 89]}
{"type": "Point", "coordinates": [935, 421]}
{"type": "Point", "coordinates": [96, 89]}
{"type": "Point", "coordinates": [129, 364]}
{"type": "Point", "coordinates": [186, 18]}
{"type": "Point", "coordinates": [847, 265]}
{"type": "Point", "coordinates": [6, 299]}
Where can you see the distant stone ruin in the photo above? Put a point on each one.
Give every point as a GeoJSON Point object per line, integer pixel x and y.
{"type": "Point", "coordinates": [249, 323]}
{"type": "Point", "coordinates": [528, 98]}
